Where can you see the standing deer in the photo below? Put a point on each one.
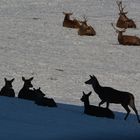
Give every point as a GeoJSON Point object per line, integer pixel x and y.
{"type": "Point", "coordinates": [123, 20]}
{"type": "Point", "coordinates": [7, 90]}
{"type": "Point", "coordinates": [126, 39]}
{"type": "Point", "coordinates": [110, 95]}
{"type": "Point", "coordinates": [69, 23]}
{"type": "Point", "coordinates": [95, 110]}
{"type": "Point", "coordinates": [85, 29]}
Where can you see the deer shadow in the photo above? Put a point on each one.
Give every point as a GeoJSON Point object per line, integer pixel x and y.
{"type": "Point", "coordinates": [80, 110]}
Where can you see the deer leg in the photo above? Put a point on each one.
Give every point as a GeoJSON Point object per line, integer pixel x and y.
{"type": "Point", "coordinates": [101, 103]}
{"type": "Point", "coordinates": [107, 104]}
{"type": "Point", "coordinates": [127, 109]}
{"type": "Point", "coordinates": [132, 105]}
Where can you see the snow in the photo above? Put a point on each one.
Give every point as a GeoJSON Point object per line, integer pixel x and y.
{"type": "Point", "coordinates": [34, 43]}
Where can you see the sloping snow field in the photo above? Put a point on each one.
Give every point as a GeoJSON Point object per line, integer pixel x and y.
{"type": "Point", "coordinates": [34, 43]}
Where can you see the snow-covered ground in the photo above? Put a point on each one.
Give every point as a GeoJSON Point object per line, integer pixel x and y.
{"type": "Point", "coordinates": [34, 43]}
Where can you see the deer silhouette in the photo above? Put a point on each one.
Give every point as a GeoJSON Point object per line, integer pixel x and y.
{"type": "Point", "coordinates": [85, 29]}
{"type": "Point", "coordinates": [126, 39]}
{"type": "Point", "coordinates": [70, 23]}
{"type": "Point", "coordinates": [8, 90]}
{"type": "Point", "coordinates": [26, 92]}
{"type": "Point", "coordinates": [43, 101]}
{"type": "Point", "coordinates": [111, 95]}
{"type": "Point", "coordinates": [123, 20]}
{"type": "Point", "coordinates": [95, 110]}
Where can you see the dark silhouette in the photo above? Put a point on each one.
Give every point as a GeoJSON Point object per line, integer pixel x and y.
{"type": "Point", "coordinates": [123, 20]}
{"type": "Point", "coordinates": [43, 101]}
{"type": "Point", "coordinates": [110, 95]}
{"type": "Point", "coordinates": [85, 29]}
{"type": "Point", "coordinates": [95, 110]}
{"type": "Point", "coordinates": [8, 90]}
{"type": "Point", "coordinates": [126, 39]}
{"type": "Point", "coordinates": [26, 92]}
{"type": "Point", "coordinates": [69, 23]}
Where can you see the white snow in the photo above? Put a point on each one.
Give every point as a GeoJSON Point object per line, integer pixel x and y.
{"type": "Point", "coordinates": [34, 43]}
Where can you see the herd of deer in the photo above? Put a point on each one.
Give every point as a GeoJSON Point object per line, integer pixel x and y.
{"type": "Point", "coordinates": [27, 93]}
{"type": "Point", "coordinates": [106, 94]}
{"type": "Point", "coordinates": [122, 24]}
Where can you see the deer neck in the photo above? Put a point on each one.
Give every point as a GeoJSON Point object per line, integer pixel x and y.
{"type": "Point", "coordinates": [96, 86]}
{"type": "Point", "coordinates": [120, 35]}
{"type": "Point", "coordinates": [67, 17]}
{"type": "Point", "coordinates": [25, 87]}
{"type": "Point", "coordinates": [86, 104]}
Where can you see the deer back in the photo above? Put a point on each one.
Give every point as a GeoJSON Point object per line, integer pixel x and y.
{"type": "Point", "coordinates": [129, 40]}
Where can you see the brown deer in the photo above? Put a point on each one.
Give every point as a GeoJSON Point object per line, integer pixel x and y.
{"type": "Point", "coordinates": [111, 95]}
{"type": "Point", "coordinates": [126, 39]}
{"type": "Point", "coordinates": [86, 29]}
{"type": "Point", "coordinates": [69, 23]}
{"type": "Point", "coordinates": [123, 20]}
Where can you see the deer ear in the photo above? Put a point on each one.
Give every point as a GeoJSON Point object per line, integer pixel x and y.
{"type": "Point", "coordinates": [23, 78]}
{"type": "Point", "coordinates": [90, 76]}
{"type": "Point", "coordinates": [31, 78]}
{"type": "Point", "coordinates": [84, 93]}
{"type": "Point", "coordinates": [12, 79]}
{"type": "Point", "coordinates": [125, 13]}
{"type": "Point", "coordinates": [5, 79]}
{"type": "Point", "coordinates": [89, 93]}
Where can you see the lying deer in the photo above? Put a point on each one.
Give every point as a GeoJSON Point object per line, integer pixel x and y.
{"type": "Point", "coordinates": [95, 110]}
{"type": "Point", "coordinates": [123, 20]}
{"type": "Point", "coordinates": [26, 92]}
{"type": "Point", "coordinates": [126, 39]}
{"type": "Point", "coordinates": [69, 22]}
{"type": "Point", "coordinates": [85, 29]}
{"type": "Point", "coordinates": [110, 95]}
{"type": "Point", "coordinates": [43, 101]}
{"type": "Point", "coordinates": [7, 90]}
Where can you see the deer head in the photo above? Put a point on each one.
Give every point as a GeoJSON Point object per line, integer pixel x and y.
{"type": "Point", "coordinates": [27, 82]}
{"type": "Point", "coordinates": [124, 21]}
{"type": "Point", "coordinates": [67, 15]}
{"type": "Point", "coordinates": [8, 83]}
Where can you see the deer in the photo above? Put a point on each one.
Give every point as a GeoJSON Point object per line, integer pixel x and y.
{"type": "Point", "coordinates": [123, 20]}
{"type": "Point", "coordinates": [26, 92]}
{"type": "Point", "coordinates": [7, 89]}
{"type": "Point", "coordinates": [110, 95]}
{"type": "Point", "coordinates": [95, 110]}
{"type": "Point", "coordinates": [86, 29]}
{"type": "Point", "coordinates": [126, 39]}
{"type": "Point", "coordinates": [70, 23]}
{"type": "Point", "coordinates": [43, 101]}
